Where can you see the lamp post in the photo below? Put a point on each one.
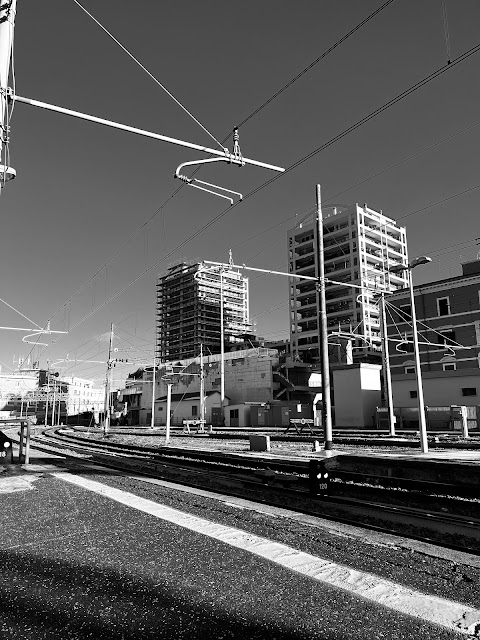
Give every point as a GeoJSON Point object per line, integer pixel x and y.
{"type": "Point", "coordinates": [418, 373]}
{"type": "Point", "coordinates": [222, 346]}
{"type": "Point", "coordinates": [152, 420]}
{"type": "Point", "coordinates": [218, 268]}
{"type": "Point", "coordinates": [386, 364]}
{"type": "Point", "coordinates": [322, 328]}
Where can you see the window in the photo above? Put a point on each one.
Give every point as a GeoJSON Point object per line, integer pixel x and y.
{"type": "Point", "coordinates": [443, 306]}
{"type": "Point", "coordinates": [194, 410]}
{"type": "Point", "coordinates": [233, 413]}
{"type": "Point", "coordinates": [409, 369]}
{"type": "Point", "coordinates": [450, 366]}
{"type": "Point", "coordinates": [413, 394]}
{"type": "Point", "coordinates": [447, 336]}
{"type": "Point", "coordinates": [469, 391]}
{"type": "Point", "coordinates": [405, 311]}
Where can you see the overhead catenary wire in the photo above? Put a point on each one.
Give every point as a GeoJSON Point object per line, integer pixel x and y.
{"type": "Point", "coordinates": [169, 93]}
{"type": "Point", "coordinates": [138, 278]}
{"type": "Point", "coordinates": [421, 83]}
{"type": "Point", "coordinates": [445, 30]}
{"type": "Point", "coordinates": [316, 61]}
{"type": "Point", "coordinates": [434, 204]}
{"type": "Point", "coordinates": [244, 121]}
{"type": "Point", "coordinates": [308, 212]}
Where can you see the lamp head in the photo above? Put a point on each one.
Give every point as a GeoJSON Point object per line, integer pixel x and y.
{"type": "Point", "coordinates": [413, 263]}
{"type": "Point", "coordinates": [399, 268]}
{"type": "Point", "coordinates": [420, 260]}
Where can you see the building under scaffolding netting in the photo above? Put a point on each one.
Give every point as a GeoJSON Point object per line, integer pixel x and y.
{"type": "Point", "coordinates": [189, 310]}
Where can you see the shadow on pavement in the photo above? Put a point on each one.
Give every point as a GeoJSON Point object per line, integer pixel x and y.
{"type": "Point", "coordinates": [61, 600]}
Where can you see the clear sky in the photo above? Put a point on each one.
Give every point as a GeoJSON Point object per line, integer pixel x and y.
{"type": "Point", "coordinates": [82, 190]}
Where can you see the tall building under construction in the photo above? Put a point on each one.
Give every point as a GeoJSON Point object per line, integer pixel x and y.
{"type": "Point", "coordinates": [189, 310]}
{"type": "Point", "coordinates": [360, 245]}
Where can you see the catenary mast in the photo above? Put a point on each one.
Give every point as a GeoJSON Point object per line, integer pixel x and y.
{"type": "Point", "coordinates": [7, 23]}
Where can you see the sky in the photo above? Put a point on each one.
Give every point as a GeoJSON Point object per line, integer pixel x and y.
{"type": "Point", "coordinates": [87, 195]}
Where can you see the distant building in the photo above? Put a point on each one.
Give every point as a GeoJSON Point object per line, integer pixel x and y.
{"type": "Point", "coordinates": [83, 395]}
{"type": "Point", "coordinates": [18, 392]}
{"type": "Point", "coordinates": [189, 310]}
{"type": "Point", "coordinates": [360, 245]}
{"type": "Point", "coordinates": [256, 375]}
{"type": "Point", "coordinates": [450, 311]}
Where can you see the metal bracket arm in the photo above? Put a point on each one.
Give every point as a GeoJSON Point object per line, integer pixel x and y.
{"type": "Point", "coordinates": [194, 182]}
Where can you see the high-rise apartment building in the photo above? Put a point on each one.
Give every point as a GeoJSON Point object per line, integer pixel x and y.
{"type": "Point", "coordinates": [360, 245]}
{"type": "Point", "coordinates": [189, 310]}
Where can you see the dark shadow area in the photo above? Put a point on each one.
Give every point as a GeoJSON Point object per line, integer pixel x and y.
{"type": "Point", "coordinates": [52, 599]}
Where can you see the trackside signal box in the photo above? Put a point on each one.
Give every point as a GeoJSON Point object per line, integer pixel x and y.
{"type": "Point", "coordinates": [318, 478]}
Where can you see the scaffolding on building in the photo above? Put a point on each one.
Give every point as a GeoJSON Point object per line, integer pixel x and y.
{"type": "Point", "coordinates": [189, 310]}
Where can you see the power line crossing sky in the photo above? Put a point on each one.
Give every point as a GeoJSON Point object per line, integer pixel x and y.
{"type": "Point", "coordinates": [83, 190]}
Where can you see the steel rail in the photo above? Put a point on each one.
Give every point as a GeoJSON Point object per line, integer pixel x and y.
{"type": "Point", "coordinates": [120, 462]}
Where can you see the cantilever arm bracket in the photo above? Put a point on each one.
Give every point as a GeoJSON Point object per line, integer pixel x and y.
{"type": "Point", "coordinates": [194, 182]}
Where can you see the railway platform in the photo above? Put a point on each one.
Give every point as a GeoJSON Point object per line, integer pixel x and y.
{"type": "Point", "coordinates": [92, 553]}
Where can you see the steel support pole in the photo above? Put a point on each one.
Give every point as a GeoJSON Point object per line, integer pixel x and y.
{"type": "Point", "coordinates": [7, 14]}
{"type": "Point", "coordinates": [322, 327]}
{"type": "Point", "coordinates": [222, 347]}
{"type": "Point", "coordinates": [152, 421]}
{"type": "Point", "coordinates": [386, 366]}
{"type": "Point", "coordinates": [54, 402]}
{"type": "Point", "coordinates": [169, 404]}
{"type": "Point", "coordinates": [106, 420]}
{"type": "Point", "coordinates": [418, 372]}
{"type": "Point", "coordinates": [202, 388]}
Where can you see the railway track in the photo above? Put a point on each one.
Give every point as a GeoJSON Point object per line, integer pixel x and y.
{"type": "Point", "coordinates": [280, 483]}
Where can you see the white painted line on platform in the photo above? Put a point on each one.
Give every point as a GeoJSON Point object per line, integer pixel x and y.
{"type": "Point", "coordinates": [366, 536]}
{"type": "Point", "coordinates": [452, 615]}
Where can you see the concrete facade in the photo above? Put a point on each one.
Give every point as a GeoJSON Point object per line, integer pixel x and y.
{"type": "Point", "coordinates": [357, 393]}
{"type": "Point", "coordinates": [186, 406]}
{"type": "Point", "coordinates": [360, 245]}
{"type": "Point", "coordinates": [440, 388]}
{"type": "Point", "coordinates": [252, 376]}
{"type": "Point", "coordinates": [248, 376]}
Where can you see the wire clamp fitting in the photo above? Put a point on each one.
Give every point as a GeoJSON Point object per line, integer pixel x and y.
{"type": "Point", "coordinates": [237, 154]}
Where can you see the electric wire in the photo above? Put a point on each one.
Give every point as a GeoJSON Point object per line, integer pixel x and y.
{"type": "Point", "coordinates": [367, 118]}
{"type": "Point", "coordinates": [405, 318]}
{"type": "Point", "coordinates": [434, 204]}
{"type": "Point", "coordinates": [149, 73]}
{"type": "Point", "coordinates": [308, 212]}
{"type": "Point", "coordinates": [251, 115]}
{"type": "Point", "coordinates": [316, 61]}
{"type": "Point", "coordinates": [445, 30]}
{"type": "Point", "coordinates": [323, 55]}
{"type": "Point", "coordinates": [20, 313]}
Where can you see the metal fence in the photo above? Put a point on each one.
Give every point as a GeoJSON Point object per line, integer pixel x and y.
{"type": "Point", "coordinates": [438, 418]}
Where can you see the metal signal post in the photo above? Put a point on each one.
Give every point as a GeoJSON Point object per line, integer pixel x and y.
{"type": "Point", "coordinates": [106, 420]}
{"type": "Point", "coordinates": [322, 327]}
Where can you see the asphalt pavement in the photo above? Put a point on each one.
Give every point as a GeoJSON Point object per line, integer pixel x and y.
{"type": "Point", "coordinates": [77, 563]}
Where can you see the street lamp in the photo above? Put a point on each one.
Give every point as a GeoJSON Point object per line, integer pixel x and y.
{"type": "Point", "coordinates": [418, 374]}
